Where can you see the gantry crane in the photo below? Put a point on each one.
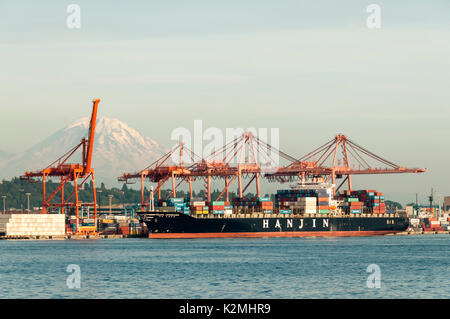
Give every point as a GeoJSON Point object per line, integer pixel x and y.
{"type": "Point", "coordinates": [71, 172]}
{"type": "Point", "coordinates": [160, 172]}
{"type": "Point", "coordinates": [244, 157]}
{"type": "Point", "coordinates": [229, 162]}
{"type": "Point", "coordinates": [337, 158]}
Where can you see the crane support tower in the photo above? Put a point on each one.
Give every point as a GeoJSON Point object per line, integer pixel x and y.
{"type": "Point", "coordinates": [76, 173]}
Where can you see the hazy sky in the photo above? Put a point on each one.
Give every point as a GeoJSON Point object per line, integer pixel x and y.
{"type": "Point", "coordinates": [311, 68]}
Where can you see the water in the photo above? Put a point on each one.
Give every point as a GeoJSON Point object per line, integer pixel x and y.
{"type": "Point", "coordinates": [411, 267]}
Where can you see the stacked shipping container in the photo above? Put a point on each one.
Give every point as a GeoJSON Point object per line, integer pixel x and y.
{"type": "Point", "coordinates": [217, 207]}
{"type": "Point", "coordinates": [432, 224]}
{"type": "Point", "coordinates": [323, 202]}
{"type": "Point", "coordinates": [198, 207]}
{"type": "Point", "coordinates": [262, 204]}
{"type": "Point", "coordinates": [356, 201]}
{"type": "Point", "coordinates": [303, 201]}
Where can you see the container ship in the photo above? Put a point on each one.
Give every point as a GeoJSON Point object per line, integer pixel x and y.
{"type": "Point", "coordinates": [307, 209]}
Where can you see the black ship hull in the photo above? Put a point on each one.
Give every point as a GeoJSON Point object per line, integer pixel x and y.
{"type": "Point", "coordinates": [178, 225]}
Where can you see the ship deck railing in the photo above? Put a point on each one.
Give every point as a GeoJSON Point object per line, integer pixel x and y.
{"type": "Point", "coordinates": [262, 215]}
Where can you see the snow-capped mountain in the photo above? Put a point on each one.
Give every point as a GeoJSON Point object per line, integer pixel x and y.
{"type": "Point", "coordinates": [118, 148]}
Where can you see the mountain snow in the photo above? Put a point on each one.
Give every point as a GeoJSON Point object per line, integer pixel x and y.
{"type": "Point", "coordinates": [118, 148]}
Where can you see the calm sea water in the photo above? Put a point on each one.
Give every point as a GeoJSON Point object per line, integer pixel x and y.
{"type": "Point", "coordinates": [411, 267]}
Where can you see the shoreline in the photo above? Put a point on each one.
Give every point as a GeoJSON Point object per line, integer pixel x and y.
{"type": "Point", "coordinates": [84, 237]}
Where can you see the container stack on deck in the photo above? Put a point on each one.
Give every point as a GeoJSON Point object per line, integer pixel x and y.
{"type": "Point", "coordinates": [323, 202]}
{"type": "Point", "coordinates": [261, 204]}
{"type": "Point", "coordinates": [306, 205]}
{"type": "Point", "coordinates": [308, 201]}
{"type": "Point", "coordinates": [228, 209]}
{"type": "Point", "coordinates": [353, 205]}
{"type": "Point", "coordinates": [357, 202]}
{"type": "Point", "coordinates": [198, 206]}
{"type": "Point", "coordinates": [179, 204]}
{"type": "Point", "coordinates": [217, 207]}
{"type": "Point", "coordinates": [265, 205]}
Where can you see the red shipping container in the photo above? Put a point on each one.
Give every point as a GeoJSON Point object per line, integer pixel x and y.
{"type": "Point", "coordinates": [355, 203]}
{"type": "Point", "coordinates": [124, 230]}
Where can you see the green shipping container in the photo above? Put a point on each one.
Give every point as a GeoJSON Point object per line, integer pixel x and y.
{"type": "Point", "coordinates": [323, 211]}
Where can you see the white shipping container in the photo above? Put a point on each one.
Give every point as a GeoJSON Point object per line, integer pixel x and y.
{"type": "Point", "coordinates": [307, 199]}
{"type": "Point", "coordinates": [198, 203]}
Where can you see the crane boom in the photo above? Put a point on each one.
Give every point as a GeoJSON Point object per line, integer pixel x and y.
{"type": "Point", "coordinates": [90, 141]}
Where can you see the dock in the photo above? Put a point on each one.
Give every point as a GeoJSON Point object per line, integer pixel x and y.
{"type": "Point", "coordinates": [69, 237]}
{"type": "Point", "coordinates": [90, 237]}
{"type": "Point", "coordinates": [420, 233]}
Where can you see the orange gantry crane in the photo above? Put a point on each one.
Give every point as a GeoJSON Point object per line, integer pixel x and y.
{"type": "Point", "coordinates": [245, 157]}
{"type": "Point", "coordinates": [337, 158]}
{"type": "Point", "coordinates": [160, 172]}
{"type": "Point", "coordinates": [66, 172]}
{"type": "Point", "coordinates": [239, 159]}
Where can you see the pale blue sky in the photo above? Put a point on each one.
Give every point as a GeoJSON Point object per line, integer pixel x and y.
{"type": "Point", "coordinates": [310, 68]}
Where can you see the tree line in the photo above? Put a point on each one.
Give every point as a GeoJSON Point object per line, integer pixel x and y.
{"type": "Point", "coordinates": [15, 192]}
